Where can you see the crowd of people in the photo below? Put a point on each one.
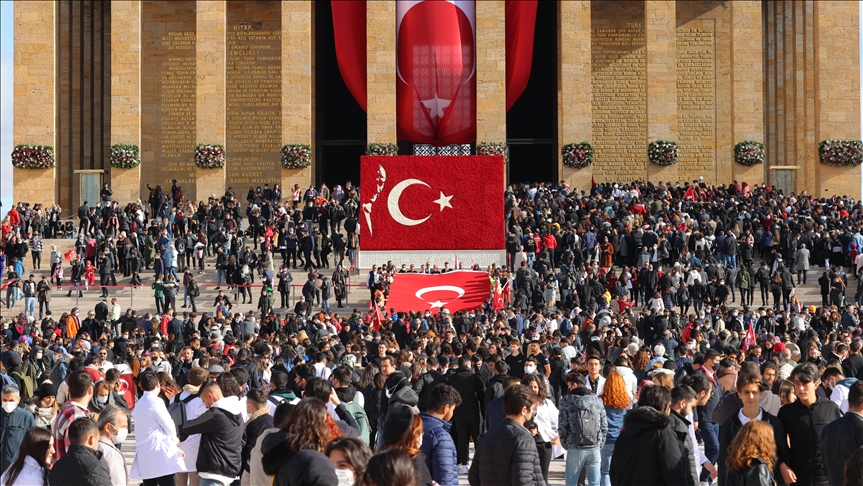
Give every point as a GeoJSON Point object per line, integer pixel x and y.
{"type": "Point", "coordinates": [629, 344]}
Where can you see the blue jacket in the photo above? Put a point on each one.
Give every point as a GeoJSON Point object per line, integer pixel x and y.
{"type": "Point", "coordinates": [439, 450]}
{"type": "Point", "coordinates": [614, 417]}
{"type": "Point", "coordinates": [12, 433]}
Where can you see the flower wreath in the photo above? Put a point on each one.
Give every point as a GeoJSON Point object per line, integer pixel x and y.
{"type": "Point", "coordinates": [749, 153]}
{"type": "Point", "coordinates": [493, 148]}
{"type": "Point", "coordinates": [388, 149]}
{"type": "Point", "coordinates": [33, 157]}
{"type": "Point", "coordinates": [210, 156]}
{"type": "Point", "coordinates": [841, 153]}
{"type": "Point", "coordinates": [663, 152]}
{"type": "Point", "coordinates": [296, 156]}
{"type": "Point", "coordinates": [577, 155]}
{"type": "Point", "coordinates": [125, 156]}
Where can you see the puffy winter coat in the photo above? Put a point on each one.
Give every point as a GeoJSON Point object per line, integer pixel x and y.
{"type": "Point", "coordinates": [506, 455]}
{"type": "Point", "coordinates": [80, 466]}
{"type": "Point", "coordinates": [571, 434]}
{"type": "Point", "coordinates": [648, 451]}
{"type": "Point", "coordinates": [439, 450]}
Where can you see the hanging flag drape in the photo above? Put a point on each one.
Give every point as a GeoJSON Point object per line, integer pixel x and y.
{"type": "Point", "coordinates": [349, 27]}
{"type": "Point", "coordinates": [520, 29]}
{"type": "Point", "coordinates": [436, 71]}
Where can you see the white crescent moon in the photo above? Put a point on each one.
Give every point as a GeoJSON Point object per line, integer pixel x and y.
{"type": "Point", "coordinates": [393, 203]}
{"type": "Point", "coordinates": [451, 288]}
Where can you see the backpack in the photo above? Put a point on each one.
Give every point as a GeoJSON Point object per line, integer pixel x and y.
{"type": "Point", "coordinates": [177, 411]}
{"type": "Point", "coordinates": [27, 386]}
{"type": "Point", "coordinates": [359, 414]}
{"type": "Point", "coordinates": [587, 432]}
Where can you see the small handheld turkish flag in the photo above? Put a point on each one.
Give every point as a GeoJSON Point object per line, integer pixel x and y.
{"type": "Point", "coordinates": [690, 193]}
{"type": "Point", "coordinates": [458, 290]}
{"type": "Point", "coordinates": [749, 340]}
{"type": "Point", "coordinates": [68, 255]}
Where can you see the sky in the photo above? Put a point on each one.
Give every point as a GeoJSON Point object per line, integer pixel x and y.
{"type": "Point", "coordinates": [6, 104]}
{"type": "Point", "coordinates": [6, 114]}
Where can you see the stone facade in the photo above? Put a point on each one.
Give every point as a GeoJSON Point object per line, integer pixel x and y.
{"type": "Point", "coordinates": [381, 70]}
{"type": "Point", "coordinates": [490, 71]}
{"type": "Point", "coordinates": [704, 73]}
{"type": "Point", "coordinates": [34, 91]}
{"type": "Point", "coordinates": [126, 92]}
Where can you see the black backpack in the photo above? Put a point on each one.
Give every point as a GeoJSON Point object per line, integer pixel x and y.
{"type": "Point", "coordinates": [177, 411]}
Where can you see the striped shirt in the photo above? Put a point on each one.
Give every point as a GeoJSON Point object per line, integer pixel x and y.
{"type": "Point", "coordinates": [36, 244]}
{"type": "Point", "coordinates": [71, 412]}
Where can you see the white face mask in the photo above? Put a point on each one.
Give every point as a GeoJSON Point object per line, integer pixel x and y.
{"type": "Point", "coordinates": [529, 369]}
{"type": "Point", "coordinates": [9, 407]}
{"type": "Point", "coordinates": [346, 477]}
{"type": "Point", "coordinates": [38, 355]}
{"type": "Point", "coordinates": [120, 437]}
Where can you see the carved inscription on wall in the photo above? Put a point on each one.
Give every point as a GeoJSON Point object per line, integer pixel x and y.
{"type": "Point", "coordinates": [168, 95]}
{"type": "Point", "coordinates": [696, 106]}
{"type": "Point", "coordinates": [254, 94]}
{"type": "Point", "coordinates": [619, 102]}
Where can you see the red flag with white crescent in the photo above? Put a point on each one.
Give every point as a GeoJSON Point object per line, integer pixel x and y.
{"type": "Point", "coordinates": [749, 340]}
{"type": "Point", "coordinates": [457, 290]}
{"type": "Point", "coordinates": [68, 255]}
{"type": "Point", "coordinates": [414, 203]}
{"type": "Point", "coordinates": [436, 71]}
{"type": "Point", "coordinates": [690, 193]}
{"type": "Point", "coordinates": [497, 303]}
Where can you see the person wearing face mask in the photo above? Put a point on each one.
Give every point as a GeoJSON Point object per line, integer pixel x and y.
{"type": "Point", "coordinates": [350, 457]}
{"type": "Point", "coordinates": [80, 464]}
{"type": "Point", "coordinates": [101, 398]}
{"type": "Point", "coordinates": [15, 422]}
{"type": "Point", "coordinates": [113, 426]}
{"type": "Point", "coordinates": [157, 453]}
{"type": "Point", "coordinates": [403, 431]}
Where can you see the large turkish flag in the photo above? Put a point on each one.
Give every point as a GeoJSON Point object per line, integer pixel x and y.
{"type": "Point", "coordinates": [436, 71]}
{"type": "Point", "coordinates": [431, 203]}
{"type": "Point", "coordinates": [458, 290]}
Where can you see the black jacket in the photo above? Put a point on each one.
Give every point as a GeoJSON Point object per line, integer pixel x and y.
{"type": "Point", "coordinates": [80, 466]}
{"type": "Point", "coordinates": [250, 437]}
{"type": "Point", "coordinates": [398, 390]}
{"type": "Point", "coordinates": [472, 391]}
{"type": "Point", "coordinates": [803, 425]}
{"type": "Point", "coordinates": [506, 455]}
{"type": "Point", "coordinates": [647, 451]}
{"type": "Point", "coordinates": [728, 430]}
{"type": "Point", "coordinates": [705, 413]}
{"type": "Point", "coordinates": [295, 468]}
{"type": "Point", "coordinates": [494, 389]}
{"type": "Point", "coordinates": [424, 385]}
{"type": "Point", "coordinates": [840, 439]}
{"type": "Point", "coordinates": [221, 429]}
{"type": "Point", "coordinates": [754, 476]}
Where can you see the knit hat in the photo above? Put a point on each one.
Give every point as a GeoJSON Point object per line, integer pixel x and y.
{"type": "Point", "coordinates": [46, 390]}
{"type": "Point", "coordinates": [398, 422]}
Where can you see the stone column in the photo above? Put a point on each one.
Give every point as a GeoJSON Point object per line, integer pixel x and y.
{"type": "Point", "coordinates": [491, 71]}
{"type": "Point", "coordinates": [574, 69]}
{"type": "Point", "coordinates": [210, 94]}
{"type": "Point", "coordinates": [837, 102]}
{"type": "Point", "coordinates": [297, 87]}
{"type": "Point", "coordinates": [126, 93]}
{"type": "Point", "coordinates": [34, 95]}
{"type": "Point", "coordinates": [381, 71]}
{"type": "Point", "coordinates": [660, 28]}
{"type": "Point", "coordinates": [747, 81]}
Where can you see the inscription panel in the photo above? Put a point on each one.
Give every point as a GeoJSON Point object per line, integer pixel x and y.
{"type": "Point", "coordinates": [254, 94]}
{"type": "Point", "coordinates": [168, 95]}
{"type": "Point", "coordinates": [619, 101]}
{"type": "Point", "coordinates": [696, 100]}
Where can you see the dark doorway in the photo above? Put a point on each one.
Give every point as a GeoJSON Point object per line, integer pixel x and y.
{"type": "Point", "coordinates": [531, 123]}
{"type": "Point", "coordinates": [340, 123]}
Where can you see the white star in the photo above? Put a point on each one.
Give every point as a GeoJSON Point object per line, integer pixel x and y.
{"type": "Point", "coordinates": [443, 201]}
{"type": "Point", "coordinates": [436, 106]}
{"type": "Point", "coordinates": [437, 304]}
